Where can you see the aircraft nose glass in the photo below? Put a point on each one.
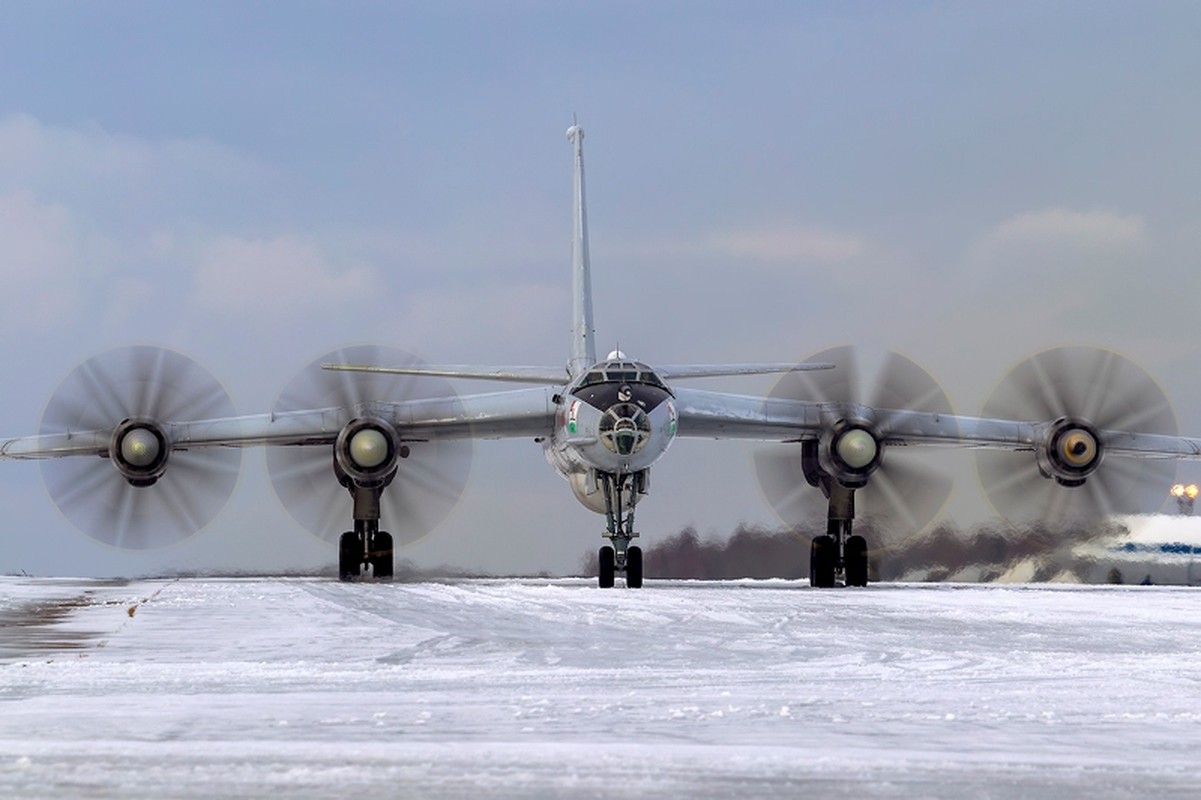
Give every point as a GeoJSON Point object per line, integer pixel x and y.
{"type": "Point", "coordinates": [625, 429]}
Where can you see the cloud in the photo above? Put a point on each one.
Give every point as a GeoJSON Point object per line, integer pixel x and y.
{"type": "Point", "coordinates": [787, 245]}
{"type": "Point", "coordinates": [126, 301]}
{"type": "Point", "coordinates": [39, 260]}
{"type": "Point", "coordinates": [43, 154]}
{"type": "Point", "coordinates": [1058, 244]}
{"type": "Point", "coordinates": [275, 277]}
{"type": "Point", "coordinates": [1064, 227]}
{"type": "Point", "coordinates": [766, 245]}
{"type": "Point", "coordinates": [1057, 275]}
{"type": "Point", "coordinates": [488, 323]}
{"type": "Point", "coordinates": [85, 213]}
{"type": "Point", "coordinates": [119, 175]}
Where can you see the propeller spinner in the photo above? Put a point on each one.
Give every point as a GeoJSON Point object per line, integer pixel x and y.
{"type": "Point", "coordinates": [429, 475]}
{"type": "Point", "coordinates": [145, 494]}
{"type": "Point", "coordinates": [900, 494]}
{"type": "Point", "coordinates": [1077, 392]}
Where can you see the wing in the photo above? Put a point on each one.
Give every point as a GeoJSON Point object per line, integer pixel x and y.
{"type": "Point", "coordinates": [717, 415]}
{"type": "Point", "coordinates": [138, 417]}
{"type": "Point", "coordinates": [549, 376]}
{"type": "Point", "coordinates": [1078, 419]}
{"type": "Point", "coordinates": [528, 412]}
{"type": "Point", "coordinates": [194, 464]}
{"type": "Point", "coordinates": [675, 371]}
{"type": "Point", "coordinates": [545, 376]}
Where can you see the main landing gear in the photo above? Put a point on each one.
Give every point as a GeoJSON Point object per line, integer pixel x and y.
{"type": "Point", "coordinates": [838, 553]}
{"type": "Point", "coordinates": [366, 551]}
{"type": "Point", "coordinates": [621, 495]}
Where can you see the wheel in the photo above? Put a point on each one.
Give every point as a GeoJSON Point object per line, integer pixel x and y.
{"type": "Point", "coordinates": [634, 568]}
{"type": "Point", "coordinates": [350, 556]}
{"type": "Point", "coordinates": [855, 558]}
{"type": "Point", "coordinates": [823, 560]}
{"type": "Point", "coordinates": [380, 556]}
{"type": "Point", "coordinates": [608, 567]}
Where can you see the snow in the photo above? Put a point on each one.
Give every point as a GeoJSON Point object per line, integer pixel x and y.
{"type": "Point", "coordinates": [313, 688]}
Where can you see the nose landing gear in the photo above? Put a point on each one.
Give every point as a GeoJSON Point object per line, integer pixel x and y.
{"type": "Point", "coordinates": [620, 558]}
{"type": "Point", "coordinates": [621, 495]}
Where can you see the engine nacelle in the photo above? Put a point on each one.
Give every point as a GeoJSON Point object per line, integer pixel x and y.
{"type": "Point", "coordinates": [1070, 451]}
{"type": "Point", "coordinates": [850, 452]}
{"type": "Point", "coordinates": [366, 452]}
{"type": "Point", "coordinates": [139, 449]}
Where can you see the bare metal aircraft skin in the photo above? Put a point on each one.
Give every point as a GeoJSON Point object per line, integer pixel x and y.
{"type": "Point", "coordinates": [381, 436]}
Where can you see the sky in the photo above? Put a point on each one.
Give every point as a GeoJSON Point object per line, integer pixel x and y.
{"type": "Point", "coordinates": [258, 184]}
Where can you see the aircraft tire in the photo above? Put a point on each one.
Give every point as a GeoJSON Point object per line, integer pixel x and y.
{"type": "Point", "coordinates": [608, 567]}
{"type": "Point", "coordinates": [350, 556]}
{"type": "Point", "coordinates": [634, 568]}
{"type": "Point", "coordinates": [856, 561]}
{"type": "Point", "coordinates": [823, 560]}
{"type": "Point", "coordinates": [382, 565]}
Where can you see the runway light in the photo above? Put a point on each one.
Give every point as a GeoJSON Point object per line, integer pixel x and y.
{"type": "Point", "coordinates": [1185, 497]}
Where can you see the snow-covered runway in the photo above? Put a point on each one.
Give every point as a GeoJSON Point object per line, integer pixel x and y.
{"type": "Point", "coordinates": [312, 688]}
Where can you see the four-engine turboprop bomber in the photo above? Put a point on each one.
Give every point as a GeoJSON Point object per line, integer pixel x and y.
{"type": "Point", "coordinates": [373, 434]}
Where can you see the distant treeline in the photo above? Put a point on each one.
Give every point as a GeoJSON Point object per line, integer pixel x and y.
{"type": "Point", "coordinates": [749, 553]}
{"type": "Point", "coordinates": [988, 551]}
{"type": "Point", "coordinates": [982, 553]}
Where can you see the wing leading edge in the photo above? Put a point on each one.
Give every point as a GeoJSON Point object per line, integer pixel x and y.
{"type": "Point", "coordinates": [518, 413]}
{"type": "Point", "coordinates": [718, 415]}
{"type": "Point", "coordinates": [548, 376]}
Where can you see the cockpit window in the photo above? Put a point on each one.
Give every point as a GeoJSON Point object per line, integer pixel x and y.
{"type": "Point", "coordinates": [622, 372]}
{"type": "Point", "coordinates": [592, 378]}
{"type": "Point", "coordinates": [647, 375]}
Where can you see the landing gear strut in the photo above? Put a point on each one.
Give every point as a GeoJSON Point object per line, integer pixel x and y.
{"type": "Point", "coordinates": [838, 552]}
{"type": "Point", "coordinates": [621, 495]}
{"type": "Point", "coordinates": [366, 551]}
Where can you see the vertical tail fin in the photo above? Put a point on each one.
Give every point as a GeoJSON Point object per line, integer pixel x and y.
{"type": "Point", "coordinates": [583, 344]}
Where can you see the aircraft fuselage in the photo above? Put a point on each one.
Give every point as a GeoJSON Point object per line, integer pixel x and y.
{"type": "Point", "coordinates": [617, 418]}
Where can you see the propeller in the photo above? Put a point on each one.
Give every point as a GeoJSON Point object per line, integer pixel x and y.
{"type": "Point", "coordinates": [144, 495]}
{"type": "Point", "coordinates": [428, 481]}
{"type": "Point", "coordinates": [904, 494]}
{"type": "Point", "coordinates": [1089, 385]}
